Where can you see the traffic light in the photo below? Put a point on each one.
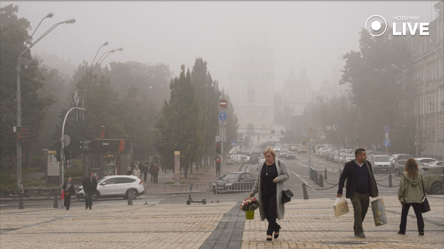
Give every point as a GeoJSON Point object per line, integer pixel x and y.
{"type": "Point", "coordinates": [218, 147]}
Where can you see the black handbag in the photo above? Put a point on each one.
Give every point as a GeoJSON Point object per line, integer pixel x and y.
{"type": "Point", "coordinates": [286, 196]}
{"type": "Point", "coordinates": [425, 207]}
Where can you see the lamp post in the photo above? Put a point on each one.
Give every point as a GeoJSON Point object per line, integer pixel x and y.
{"type": "Point", "coordinates": [50, 15]}
{"type": "Point", "coordinates": [104, 44]}
{"type": "Point", "coordinates": [62, 150]}
{"type": "Point", "coordinates": [19, 107]}
{"type": "Point", "coordinates": [108, 53]}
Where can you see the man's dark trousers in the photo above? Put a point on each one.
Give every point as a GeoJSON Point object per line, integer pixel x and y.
{"type": "Point", "coordinates": [360, 206]}
{"type": "Point", "coordinates": [88, 200]}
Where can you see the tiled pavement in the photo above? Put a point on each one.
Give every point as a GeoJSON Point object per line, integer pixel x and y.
{"type": "Point", "coordinates": [308, 224]}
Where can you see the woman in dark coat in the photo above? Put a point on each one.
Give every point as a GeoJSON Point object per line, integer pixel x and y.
{"type": "Point", "coordinates": [68, 187]}
{"type": "Point", "coordinates": [270, 184]}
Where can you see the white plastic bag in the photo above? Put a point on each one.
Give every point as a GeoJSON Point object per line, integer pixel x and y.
{"type": "Point", "coordinates": [340, 206]}
{"type": "Point", "coordinates": [379, 214]}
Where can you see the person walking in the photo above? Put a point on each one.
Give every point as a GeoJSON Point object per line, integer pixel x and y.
{"type": "Point", "coordinates": [145, 171]}
{"type": "Point", "coordinates": [360, 186]}
{"type": "Point", "coordinates": [411, 192]}
{"type": "Point", "coordinates": [129, 171]}
{"type": "Point", "coordinates": [89, 186]}
{"type": "Point", "coordinates": [68, 188]}
{"type": "Point", "coordinates": [155, 169]}
{"type": "Point", "coordinates": [136, 171]}
{"type": "Point", "coordinates": [218, 163]}
{"type": "Point", "coordinates": [151, 171]}
{"type": "Point", "coordinates": [270, 184]}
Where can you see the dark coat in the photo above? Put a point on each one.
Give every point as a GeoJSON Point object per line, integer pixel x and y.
{"type": "Point", "coordinates": [351, 175]}
{"type": "Point", "coordinates": [70, 190]}
{"type": "Point", "coordinates": [89, 186]}
{"type": "Point", "coordinates": [155, 169]}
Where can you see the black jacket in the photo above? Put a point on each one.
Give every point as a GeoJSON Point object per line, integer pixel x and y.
{"type": "Point", "coordinates": [350, 174]}
{"type": "Point", "coordinates": [89, 186]}
{"type": "Point", "coordinates": [70, 190]}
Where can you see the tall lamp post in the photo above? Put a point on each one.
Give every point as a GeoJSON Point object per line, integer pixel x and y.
{"type": "Point", "coordinates": [19, 106]}
{"type": "Point", "coordinates": [108, 53]}
{"type": "Point", "coordinates": [104, 44]}
{"type": "Point", "coordinates": [62, 150]}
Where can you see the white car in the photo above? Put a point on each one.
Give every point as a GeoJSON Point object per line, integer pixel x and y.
{"type": "Point", "coordinates": [380, 163]}
{"type": "Point", "coordinates": [348, 158]}
{"type": "Point", "coordinates": [116, 186]}
{"type": "Point", "coordinates": [425, 161]}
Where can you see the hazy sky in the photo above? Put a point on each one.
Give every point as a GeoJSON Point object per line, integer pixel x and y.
{"type": "Point", "coordinates": [311, 34]}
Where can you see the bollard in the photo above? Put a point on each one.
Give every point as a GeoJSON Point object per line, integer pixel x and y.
{"type": "Point", "coordinates": [316, 177]}
{"type": "Point", "coordinates": [20, 200]}
{"type": "Point", "coordinates": [56, 200]}
{"type": "Point", "coordinates": [130, 199]}
{"type": "Point", "coordinates": [325, 174]}
{"type": "Point", "coordinates": [304, 190]}
{"type": "Point", "coordinates": [321, 181]}
{"type": "Point", "coordinates": [390, 179]}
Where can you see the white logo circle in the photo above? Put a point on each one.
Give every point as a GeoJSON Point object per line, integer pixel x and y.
{"type": "Point", "coordinates": [377, 22]}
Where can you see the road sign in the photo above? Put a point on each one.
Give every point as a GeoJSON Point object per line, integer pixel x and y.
{"type": "Point", "coordinates": [386, 135]}
{"type": "Point", "coordinates": [23, 134]}
{"type": "Point", "coordinates": [386, 142]}
{"type": "Point", "coordinates": [386, 128]}
{"type": "Point", "coordinates": [222, 116]}
{"type": "Point", "coordinates": [233, 143]}
{"type": "Point", "coordinates": [66, 140]}
{"type": "Point", "coordinates": [334, 127]}
{"type": "Point", "coordinates": [223, 103]}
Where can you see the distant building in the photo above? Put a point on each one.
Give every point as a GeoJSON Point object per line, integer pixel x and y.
{"type": "Point", "coordinates": [296, 94]}
{"type": "Point", "coordinates": [423, 86]}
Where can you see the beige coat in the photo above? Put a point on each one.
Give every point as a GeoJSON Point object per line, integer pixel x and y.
{"type": "Point", "coordinates": [283, 175]}
{"type": "Point", "coordinates": [411, 190]}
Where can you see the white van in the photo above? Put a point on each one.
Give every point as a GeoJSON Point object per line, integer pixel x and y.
{"type": "Point", "coordinates": [237, 159]}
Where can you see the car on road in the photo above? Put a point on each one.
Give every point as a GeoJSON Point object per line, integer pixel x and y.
{"type": "Point", "coordinates": [234, 181]}
{"type": "Point", "coordinates": [291, 155]}
{"type": "Point", "coordinates": [425, 161]}
{"type": "Point", "coordinates": [437, 163]}
{"type": "Point", "coordinates": [283, 153]}
{"type": "Point", "coordinates": [433, 177]}
{"type": "Point", "coordinates": [395, 157]}
{"type": "Point", "coordinates": [347, 158]}
{"type": "Point", "coordinates": [116, 186]}
{"type": "Point", "coordinates": [380, 163]}
{"type": "Point", "coordinates": [237, 159]}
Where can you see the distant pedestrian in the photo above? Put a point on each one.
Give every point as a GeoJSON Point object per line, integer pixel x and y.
{"type": "Point", "coordinates": [218, 163]}
{"type": "Point", "coordinates": [360, 186]}
{"type": "Point", "coordinates": [155, 174]}
{"type": "Point", "coordinates": [145, 171]}
{"type": "Point", "coordinates": [68, 188]}
{"type": "Point", "coordinates": [89, 187]}
{"type": "Point", "coordinates": [129, 171]}
{"type": "Point", "coordinates": [136, 171]}
{"type": "Point", "coordinates": [411, 193]}
{"type": "Point", "coordinates": [97, 176]}
{"type": "Point", "coordinates": [270, 184]}
{"type": "Point", "coordinates": [151, 172]}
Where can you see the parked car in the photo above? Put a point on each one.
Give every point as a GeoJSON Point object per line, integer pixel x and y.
{"type": "Point", "coordinates": [395, 157]}
{"type": "Point", "coordinates": [348, 158]}
{"type": "Point", "coordinates": [400, 166]}
{"type": "Point", "coordinates": [425, 161]}
{"type": "Point", "coordinates": [237, 159]}
{"type": "Point", "coordinates": [291, 155]}
{"type": "Point", "coordinates": [116, 186]}
{"type": "Point", "coordinates": [433, 177]}
{"type": "Point", "coordinates": [437, 163]}
{"type": "Point", "coordinates": [380, 163]}
{"type": "Point", "coordinates": [234, 181]}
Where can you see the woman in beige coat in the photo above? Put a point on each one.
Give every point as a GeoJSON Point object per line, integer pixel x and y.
{"type": "Point", "coordinates": [270, 183]}
{"type": "Point", "coordinates": [411, 193]}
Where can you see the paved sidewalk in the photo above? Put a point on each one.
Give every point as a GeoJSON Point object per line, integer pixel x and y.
{"type": "Point", "coordinates": [308, 224]}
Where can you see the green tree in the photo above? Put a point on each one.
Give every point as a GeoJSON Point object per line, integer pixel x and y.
{"type": "Point", "coordinates": [14, 37]}
{"type": "Point", "coordinates": [375, 73]}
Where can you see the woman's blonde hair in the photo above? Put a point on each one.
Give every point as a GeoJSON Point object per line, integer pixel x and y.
{"type": "Point", "coordinates": [411, 167]}
{"type": "Point", "coordinates": [269, 149]}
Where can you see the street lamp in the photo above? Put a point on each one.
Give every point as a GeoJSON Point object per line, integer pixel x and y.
{"type": "Point", "coordinates": [62, 150]}
{"type": "Point", "coordinates": [50, 14]}
{"type": "Point", "coordinates": [107, 52]}
{"type": "Point", "coordinates": [19, 106]}
{"type": "Point", "coordinates": [104, 44]}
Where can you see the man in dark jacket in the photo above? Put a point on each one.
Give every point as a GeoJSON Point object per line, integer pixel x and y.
{"type": "Point", "coordinates": [89, 186]}
{"type": "Point", "coordinates": [145, 170]}
{"type": "Point", "coordinates": [361, 185]}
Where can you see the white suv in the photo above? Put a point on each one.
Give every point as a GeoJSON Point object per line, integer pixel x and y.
{"type": "Point", "coordinates": [116, 186]}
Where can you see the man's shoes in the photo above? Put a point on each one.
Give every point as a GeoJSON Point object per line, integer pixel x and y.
{"type": "Point", "coordinates": [361, 235]}
{"type": "Point", "coordinates": [421, 233]}
{"type": "Point", "coordinates": [399, 232]}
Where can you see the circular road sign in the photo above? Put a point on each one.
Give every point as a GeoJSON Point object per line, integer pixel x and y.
{"type": "Point", "coordinates": [386, 128]}
{"type": "Point", "coordinates": [223, 103]}
{"type": "Point", "coordinates": [222, 116]}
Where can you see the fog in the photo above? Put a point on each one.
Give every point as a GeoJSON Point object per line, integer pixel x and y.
{"type": "Point", "coordinates": [311, 35]}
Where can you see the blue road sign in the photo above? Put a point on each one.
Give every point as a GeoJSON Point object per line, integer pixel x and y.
{"type": "Point", "coordinates": [386, 142]}
{"type": "Point", "coordinates": [222, 116]}
{"type": "Point", "coordinates": [233, 143]}
{"type": "Point", "coordinates": [386, 129]}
